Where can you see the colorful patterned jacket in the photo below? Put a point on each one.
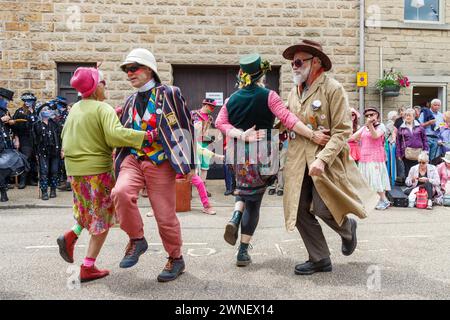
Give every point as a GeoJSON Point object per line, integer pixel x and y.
{"type": "Point", "coordinates": [175, 128]}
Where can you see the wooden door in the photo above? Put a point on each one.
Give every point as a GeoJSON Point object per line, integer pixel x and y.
{"type": "Point", "coordinates": [196, 80]}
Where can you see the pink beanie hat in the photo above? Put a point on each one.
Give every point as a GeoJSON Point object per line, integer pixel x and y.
{"type": "Point", "coordinates": [85, 81]}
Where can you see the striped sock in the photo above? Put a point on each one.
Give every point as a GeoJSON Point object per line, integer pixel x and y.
{"type": "Point", "coordinates": [77, 229]}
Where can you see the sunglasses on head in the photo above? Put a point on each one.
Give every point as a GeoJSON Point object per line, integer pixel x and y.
{"type": "Point", "coordinates": [299, 62]}
{"type": "Point", "coordinates": [132, 68]}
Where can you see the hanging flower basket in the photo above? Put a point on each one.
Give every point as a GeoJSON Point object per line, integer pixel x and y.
{"type": "Point", "coordinates": [391, 91]}
{"type": "Point", "coordinates": [391, 83]}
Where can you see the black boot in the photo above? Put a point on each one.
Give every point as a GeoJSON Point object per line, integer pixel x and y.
{"type": "Point", "coordinates": [44, 194]}
{"type": "Point", "coordinates": [310, 267]}
{"type": "Point", "coordinates": [232, 228]}
{"type": "Point", "coordinates": [22, 181]}
{"type": "Point", "coordinates": [4, 195]}
{"type": "Point", "coordinates": [243, 258]}
{"type": "Point", "coordinates": [52, 193]}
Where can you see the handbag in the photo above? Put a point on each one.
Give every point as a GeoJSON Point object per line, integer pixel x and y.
{"type": "Point", "coordinates": [411, 153]}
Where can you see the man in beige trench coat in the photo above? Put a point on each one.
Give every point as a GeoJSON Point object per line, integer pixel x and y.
{"type": "Point", "coordinates": [321, 181]}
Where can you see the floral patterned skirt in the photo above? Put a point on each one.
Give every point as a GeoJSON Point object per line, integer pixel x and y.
{"type": "Point", "coordinates": [93, 207]}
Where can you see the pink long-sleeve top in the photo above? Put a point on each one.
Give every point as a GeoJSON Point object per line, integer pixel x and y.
{"type": "Point", "coordinates": [276, 106]}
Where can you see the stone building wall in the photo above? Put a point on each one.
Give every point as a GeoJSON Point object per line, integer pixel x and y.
{"type": "Point", "coordinates": [37, 34]}
{"type": "Point", "coordinates": [420, 51]}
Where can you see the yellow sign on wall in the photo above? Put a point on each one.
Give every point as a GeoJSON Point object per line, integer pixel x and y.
{"type": "Point", "coordinates": [361, 79]}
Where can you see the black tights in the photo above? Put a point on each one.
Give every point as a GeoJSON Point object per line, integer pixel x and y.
{"type": "Point", "coordinates": [250, 217]}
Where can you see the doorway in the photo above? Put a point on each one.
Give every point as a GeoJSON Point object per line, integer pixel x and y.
{"type": "Point", "coordinates": [65, 72]}
{"type": "Point", "coordinates": [422, 94]}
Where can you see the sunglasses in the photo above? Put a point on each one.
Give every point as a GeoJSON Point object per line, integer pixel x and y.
{"type": "Point", "coordinates": [422, 162]}
{"type": "Point", "coordinates": [132, 68]}
{"type": "Point", "coordinates": [369, 115]}
{"type": "Point", "coordinates": [298, 62]}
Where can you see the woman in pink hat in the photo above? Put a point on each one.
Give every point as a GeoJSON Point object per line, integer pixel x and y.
{"type": "Point", "coordinates": [90, 134]}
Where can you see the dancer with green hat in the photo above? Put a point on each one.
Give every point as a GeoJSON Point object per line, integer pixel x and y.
{"type": "Point", "coordinates": [248, 117]}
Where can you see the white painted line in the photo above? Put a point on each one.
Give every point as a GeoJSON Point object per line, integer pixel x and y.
{"type": "Point", "coordinates": [50, 247]}
{"type": "Point", "coordinates": [200, 252]}
{"type": "Point", "coordinates": [150, 244]}
{"type": "Point", "coordinates": [412, 236]}
{"type": "Point", "coordinates": [184, 244]}
{"type": "Point", "coordinates": [291, 240]}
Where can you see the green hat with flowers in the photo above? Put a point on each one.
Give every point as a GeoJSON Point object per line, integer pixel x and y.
{"type": "Point", "coordinates": [252, 69]}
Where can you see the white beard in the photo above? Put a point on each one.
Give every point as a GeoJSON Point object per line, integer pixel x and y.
{"type": "Point", "coordinates": [300, 77]}
{"type": "Point", "coordinates": [297, 79]}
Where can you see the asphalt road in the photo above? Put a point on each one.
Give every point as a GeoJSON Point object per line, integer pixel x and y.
{"type": "Point", "coordinates": [401, 254]}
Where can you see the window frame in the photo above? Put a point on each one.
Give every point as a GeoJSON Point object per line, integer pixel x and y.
{"type": "Point", "coordinates": [441, 16]}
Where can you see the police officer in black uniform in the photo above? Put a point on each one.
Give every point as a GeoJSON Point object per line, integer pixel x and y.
{"type": "Point", "coordinates": [47, 145]}
{"type": "Point", "coordinates": [5, 140]}
{"type": "Point", "coordinates": [61, 117]}
{"type": "Point", "coordinates": [22, 124]}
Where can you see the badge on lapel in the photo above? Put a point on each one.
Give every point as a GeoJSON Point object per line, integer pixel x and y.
{"type": "Point", "coordinates": [171, 119]}
{"type": "Point", "coordinates": [316, 104]}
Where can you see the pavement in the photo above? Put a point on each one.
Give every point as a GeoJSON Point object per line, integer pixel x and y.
{"type": "Point", "coordinates": [402, 253]}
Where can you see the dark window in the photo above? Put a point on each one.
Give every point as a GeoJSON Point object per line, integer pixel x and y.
{"type": "Point", "coordinates": [65, 73]}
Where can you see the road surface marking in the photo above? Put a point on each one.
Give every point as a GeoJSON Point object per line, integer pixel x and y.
{"type": "Point", "coordinates": [280, 250]}
{"type": "Point", "coordinates": [50, 247]}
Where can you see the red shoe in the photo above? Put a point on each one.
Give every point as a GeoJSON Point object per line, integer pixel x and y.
{"type": "Point", "coordinates": [91, 273]}
{"type": "Point", "coordinates": [66, 245]}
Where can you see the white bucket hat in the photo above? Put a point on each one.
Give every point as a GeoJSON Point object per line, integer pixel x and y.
{"type": "Point", "coordinates": [447, 157]}
{"type": "Point", "coordinates": [143, 57]}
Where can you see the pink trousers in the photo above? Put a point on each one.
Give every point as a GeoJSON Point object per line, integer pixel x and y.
{"type": "Point", "coordinates": [201, 189]}
{"type": "Point", "coordinates": [160, 184]}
